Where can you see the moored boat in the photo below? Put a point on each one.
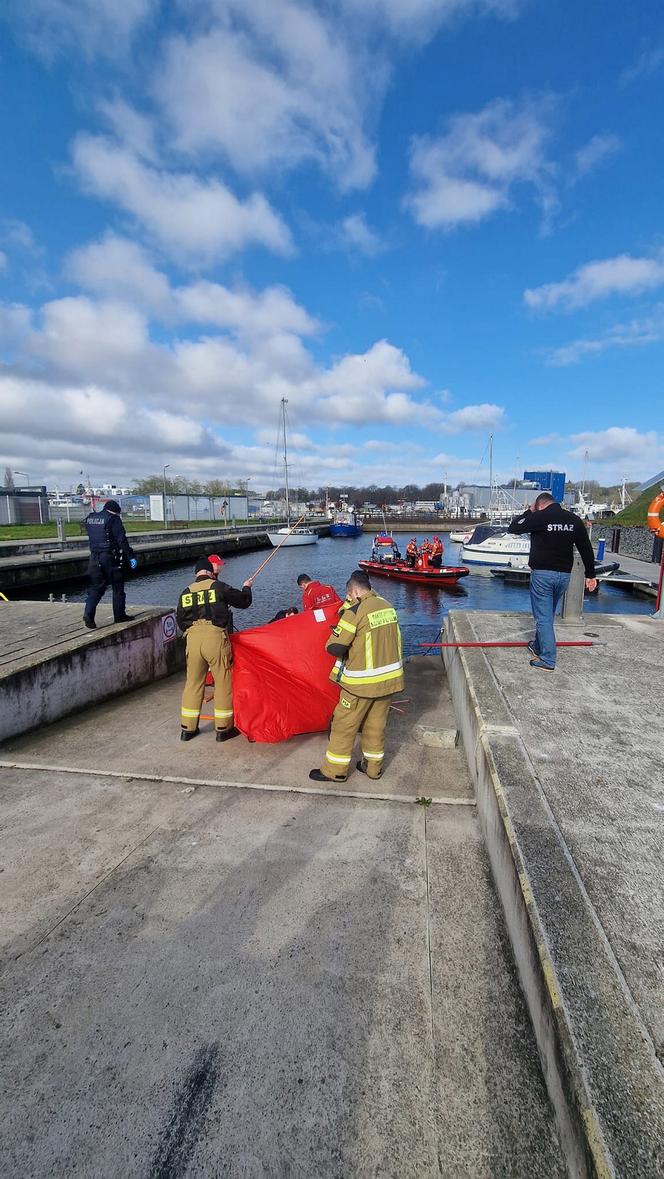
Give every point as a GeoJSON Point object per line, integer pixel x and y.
{"type": "Point", "coordinates": [491, 546]}
{"type": "Point", "coordinates": [346, 523]}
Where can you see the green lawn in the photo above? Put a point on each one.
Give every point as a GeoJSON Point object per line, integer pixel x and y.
{"type": "Point", "coordinates": [635, 513]}
{"type": "Point", "coordinates": [50, 532]}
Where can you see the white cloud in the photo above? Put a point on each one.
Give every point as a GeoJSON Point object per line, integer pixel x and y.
{"type": "Point", "coordinates": [269, 313]}
{"type": "Point", "coordinates": [417, 20]}
{"type": "Point", "coordinates": [275, 85]}
{"type": "Point", "coordinates": [193, 219]}
{"type": "Point", "coordinates": [359, 237]}
{"type": "Point", "coordinates": [616, 444]}
{"type": "Point", "coordinates": [472, 170]}
{"type": "Point", "coordinates": [15, 323]}
{"type": "Point", "coordinates": [595, 151]}
{"type": "Point", "coordinates": [119, 267]}
{"type": "Point", "coordinates": [475, 417]}
{"type": "Point", "coordinates": [88, 27]}
{"type": "Point", "coordinates": [622, 275]}
{"type": "Point", "coordinates": [634, 334]}
{"type": "Point", "coordinates": [646, 64]}
{"type": "Point", "coordinates": [16, 235]}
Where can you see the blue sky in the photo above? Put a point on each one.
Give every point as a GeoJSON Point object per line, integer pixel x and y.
{"type": "Point", "coordinates": [421, 221]}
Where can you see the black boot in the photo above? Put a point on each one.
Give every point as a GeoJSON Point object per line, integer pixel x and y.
{"type": "Point", "coordinates": [362, 767]}
{"type": "Point", "coordinates": [226, 734]}
{"type": "Point", "coordinates": [89, 622]}
{"type": "Point", "coordinates": [126, 618]}
{"type": "Point", "coordinates": [188, 734]}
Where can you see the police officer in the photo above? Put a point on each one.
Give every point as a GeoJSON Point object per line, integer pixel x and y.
{"type": "Point", "coordinates": [203, 614]}
{"type": "Point", "coordinates": [110, 551]}
{"type": "Point", "coordinates": [366, 643]}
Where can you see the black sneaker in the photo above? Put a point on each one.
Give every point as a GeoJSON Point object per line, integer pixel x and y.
{"type": "Point", "coordinates": [533, 649]}
{"type": "Point", "coordinates": [226, 734]}
{"type": "Point", "coordinates": [126, 618]}
{"type": "Point", "coordinates": [188, 734]}
{"type": "Point", "coordinates": [89, 622]}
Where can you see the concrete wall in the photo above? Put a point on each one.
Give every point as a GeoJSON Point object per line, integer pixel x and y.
{"type": "Point", "coordinates": [86, 672]}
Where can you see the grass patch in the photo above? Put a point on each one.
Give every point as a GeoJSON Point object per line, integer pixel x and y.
{"type": "Point", "coordinates": [636, 513]}
{"type": "Point", "coordinates": [50, 531]}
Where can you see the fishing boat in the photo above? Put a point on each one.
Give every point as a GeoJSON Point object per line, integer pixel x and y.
{"type": "Point", "coordinates": [490, 546]}
{"type": "Point", "coordinates": [289, 536]}
{"type": "Point", "coordinates": [346, 523]}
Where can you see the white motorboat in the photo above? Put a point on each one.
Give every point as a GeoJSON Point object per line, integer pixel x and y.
{"type": "Point", "coordinates": [492, 547]}
{"type": "Point", "coordinates": [289, 536]}
{"type": "Point", "coordinates": [461, 537]}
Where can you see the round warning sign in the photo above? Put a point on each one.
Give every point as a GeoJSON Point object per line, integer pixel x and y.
{"type": "Point", "coordinates": [168, 627]}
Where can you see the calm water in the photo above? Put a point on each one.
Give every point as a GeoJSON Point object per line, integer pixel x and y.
{"type": "Point", "coordinates": [421, 610]}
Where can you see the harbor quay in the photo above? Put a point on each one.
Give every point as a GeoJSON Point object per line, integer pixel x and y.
{"type": "Point", "coordinates": [28, 564]}
{"type": "Point", "coordinates": [212, 966]}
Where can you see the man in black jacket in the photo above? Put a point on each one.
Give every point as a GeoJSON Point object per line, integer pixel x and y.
{"type": "Point", "coordinates": [110, 551]}
{"type": "Point", "coordinates": [554, 534]}
{"type": "Point", "coordinates": [203, 614]}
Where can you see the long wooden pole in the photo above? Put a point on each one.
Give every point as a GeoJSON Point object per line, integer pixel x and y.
{"type": "Point", "coordinates": [276, 550]}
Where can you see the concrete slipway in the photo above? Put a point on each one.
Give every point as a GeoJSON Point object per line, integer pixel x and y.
{"type": "Point", "coordinates": [208, 974]}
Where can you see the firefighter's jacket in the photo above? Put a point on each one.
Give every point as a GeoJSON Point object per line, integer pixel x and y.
{"type": "Point", "coordinates": [366, 643]}
{"type": "Point", "coordinates": [207, 600]}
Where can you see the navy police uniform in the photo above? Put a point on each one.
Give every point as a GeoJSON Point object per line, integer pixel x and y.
{"type": "Point", "coordinates": [110, 552]}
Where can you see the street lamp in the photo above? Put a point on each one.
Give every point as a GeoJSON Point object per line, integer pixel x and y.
{"type": "Point", "coordinates": [166, 466]}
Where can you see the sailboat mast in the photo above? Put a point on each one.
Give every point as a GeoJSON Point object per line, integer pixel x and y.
{"type": "Point", "coordinates": [284, 403]}
{"type": "Point", "coordinates": [490, 473]}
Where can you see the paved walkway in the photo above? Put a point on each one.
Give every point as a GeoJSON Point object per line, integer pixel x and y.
{"type": "Point", "coordinates": [208, 980]}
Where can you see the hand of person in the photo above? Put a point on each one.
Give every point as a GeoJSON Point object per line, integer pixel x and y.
{"type": "Point", "coordinates": [591, 584]}
{"type": "Point", "coordinates": [248, 583]}
{"type": "Point", "coordinates": [533, 507]}
{"type": "Point", "coordinates": [133, 563]}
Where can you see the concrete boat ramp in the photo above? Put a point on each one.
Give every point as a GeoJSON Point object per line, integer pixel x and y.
{"type": "Point", "coordinates": [210, 969]}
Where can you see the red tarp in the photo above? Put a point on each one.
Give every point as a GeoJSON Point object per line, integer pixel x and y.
{"type": "Point", "coordinates": [280, 676]}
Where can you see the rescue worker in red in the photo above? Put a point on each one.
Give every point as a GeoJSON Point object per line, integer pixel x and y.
{"type": "Point", "coordinates": [437, 550]}
{"type": "Point", "coordinates": [366, 643]}
{"type": "Point", "coordinates": [411, 552]}
{"type": "Point", "coordinates": [315, 593]}
{"type": "Point", "coordinates": [203, 614]}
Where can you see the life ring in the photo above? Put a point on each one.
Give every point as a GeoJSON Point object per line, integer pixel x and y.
{"type": "Point", "coordinates": [654, 523]}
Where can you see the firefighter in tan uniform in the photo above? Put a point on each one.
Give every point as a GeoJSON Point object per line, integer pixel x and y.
{"type": "Point", "coordinates": [203, 614]}
{"type": "Point", "coordinates": [366, 643]}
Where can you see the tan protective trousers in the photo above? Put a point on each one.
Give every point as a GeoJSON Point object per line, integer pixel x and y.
{"type": "Point", "coordinates": [208, 646]}
{"type": "Point", "coordinates": [355, 713]}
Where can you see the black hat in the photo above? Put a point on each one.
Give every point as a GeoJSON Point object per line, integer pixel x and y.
{"type": "Point", "coordinates": [203, 565]}
{"type": "Point", "coordinates": [112, 505]}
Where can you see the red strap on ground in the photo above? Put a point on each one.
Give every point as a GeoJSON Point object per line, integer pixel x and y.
{"type": "Point", "coordinates": [579, 643]}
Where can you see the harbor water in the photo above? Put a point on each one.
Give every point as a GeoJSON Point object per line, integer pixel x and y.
{"type": "Point", "coordinates": [421, 609]}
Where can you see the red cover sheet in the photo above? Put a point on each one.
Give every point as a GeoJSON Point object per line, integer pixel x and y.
{"type": "Point", "coordinates": [280, 677]}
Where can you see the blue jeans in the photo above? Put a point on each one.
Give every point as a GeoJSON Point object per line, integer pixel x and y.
{"type": "Point", "coordinates": [547, 586]}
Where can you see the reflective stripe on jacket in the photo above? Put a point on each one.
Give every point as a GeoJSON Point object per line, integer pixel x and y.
{"type": "Point", "coordinates": [207, 600]}
{"type": "Point", "coordinates": [367, 644]}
